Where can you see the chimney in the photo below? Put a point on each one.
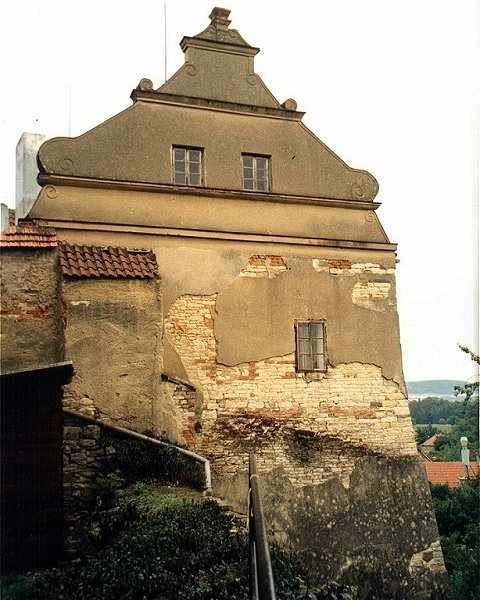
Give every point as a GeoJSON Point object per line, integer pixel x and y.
{"type": "Point", "coordinates": [465, 456]}
{"type": "Point", "coordinates": [26, 186]}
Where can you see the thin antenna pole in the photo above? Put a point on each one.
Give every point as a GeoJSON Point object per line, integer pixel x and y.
{"type": "Point", "coordinates": [165, 39]}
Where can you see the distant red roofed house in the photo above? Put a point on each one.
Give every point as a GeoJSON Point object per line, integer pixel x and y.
{"type": "Point", "coordinates": [428, 445]}
{"type": "Point", "coordinates": [448, 473]}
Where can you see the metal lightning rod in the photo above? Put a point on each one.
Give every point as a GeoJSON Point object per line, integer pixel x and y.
{"type": "Point", "coordinates": [165, 39]}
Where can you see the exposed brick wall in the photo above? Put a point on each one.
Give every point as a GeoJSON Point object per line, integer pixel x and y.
{"type": "Point", "coordinates": [371, 294]}
{"type": "Point", "coordinates": [346, 267]}
{"type": "Point", "coordinates": [262, 265]}
{"type": "Point", "coordinates": [352, 403]}
{"type": "Point", "coordinates": [178, 416]}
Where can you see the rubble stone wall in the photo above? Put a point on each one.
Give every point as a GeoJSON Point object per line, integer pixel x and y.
{"type": "Point", "coordinates": [82, 463]}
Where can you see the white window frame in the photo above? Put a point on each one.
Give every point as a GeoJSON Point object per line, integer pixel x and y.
{"type": "Point", "coordinates": [187, 150]}
{"type": "Point", "coordinates": [255, 180]}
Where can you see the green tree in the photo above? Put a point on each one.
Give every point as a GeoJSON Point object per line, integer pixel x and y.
{"type": "Point", "coordinates": [465, 421]}
{"type": "Point", "coordinates": [458, 517]}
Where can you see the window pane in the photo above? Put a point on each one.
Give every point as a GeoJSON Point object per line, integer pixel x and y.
{"type": "Point", "coordinates": [180, 177]}
{"type": "Point", "coordinates": [319, 362]}
{"type": "Point", "coordinates": [247, 161]}
{"type": "Point", "coordinates": [248, 172]}
{"type": "Point", "coordinates": [316, 330]}
{"type": "Point", "coordinates": [194, 168]}
{"type": "Point", "coordinates": [179, 154]}
{"type": "Point", "coordinates": [261, 163]}
{"type": "Point", "coordinates": [302, 330]}
{"type": "Point", "coordinates": [262, 186]}
{"type": "Point", "coordinates": [304, 363]}
{"type": "Point", "coordinates": [262, 175]}
{"type": "Point", "coordinates": [248, 184]}
{"type": "Point", "coordinates": [317, 346]}
{"type": "Point", "coordinates": [304, 346]}
{"type": "Point", "coordinates": [194, 155]}
{"type": "Point", "coordinates": [179, 166]}
{"type": "Point", "coordinates": [194, 178]}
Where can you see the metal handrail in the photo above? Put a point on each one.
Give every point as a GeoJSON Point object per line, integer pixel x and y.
{"type": "Point", "coordinates": [262, 586]}
{"type": "Point", "coordinates": [153, 441]}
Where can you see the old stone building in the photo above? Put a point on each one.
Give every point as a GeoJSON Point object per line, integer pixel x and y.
{"type": "Point", "coordinates": [270, 323]}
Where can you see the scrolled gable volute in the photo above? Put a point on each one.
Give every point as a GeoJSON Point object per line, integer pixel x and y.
{"type": "Point", "coordinates": [217, 102]}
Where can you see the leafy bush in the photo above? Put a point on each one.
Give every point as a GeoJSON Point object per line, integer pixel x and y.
{"type": "Point", "coordinates": [458, 518]}
{"type": "Point", "coordinates": [175, 549]}
{"type": "Point", "coordinates": [190, 551]}
{"type": "Point", "coordinates": [137, 460]}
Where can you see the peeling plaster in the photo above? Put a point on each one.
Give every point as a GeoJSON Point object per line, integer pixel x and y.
{"type": "Point", "coordinates": [256, 318]}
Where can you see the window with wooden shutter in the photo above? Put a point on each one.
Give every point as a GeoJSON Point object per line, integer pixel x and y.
{"type": "Point", "coordinates": [310, 343]}
{"type": "Point", "coordinates": [187, 166]}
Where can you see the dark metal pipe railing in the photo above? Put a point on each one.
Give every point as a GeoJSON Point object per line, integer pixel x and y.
{"type": "Point", "coordinates": [261, 575]}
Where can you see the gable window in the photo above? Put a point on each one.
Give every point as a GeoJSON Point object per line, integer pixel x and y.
{"type": "Point", "coordinates": [255, 173]}
{"type": "Point", "coordinates": [187, 165]}
{"type": "Point", "coordinates": [310, 346]}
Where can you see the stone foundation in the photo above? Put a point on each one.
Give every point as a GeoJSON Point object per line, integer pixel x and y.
{"type": "Point", "coordinates": [84, 459]}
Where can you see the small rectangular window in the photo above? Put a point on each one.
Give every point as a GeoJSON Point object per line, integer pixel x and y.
{"type": "Point", "coordinates": [187, 166]}
{"type": "Point", "coordinates": [310, 346]}
{"type": "Point", "coordinates": [255, 173]}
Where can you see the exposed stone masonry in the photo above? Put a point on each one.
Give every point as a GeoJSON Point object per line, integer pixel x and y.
{"type": "Point", "coordinates": [83, 458]}
{"type": "Point", "coordinates": [352, 403]}
{"type": "Point", "coordinates": [429, 559]}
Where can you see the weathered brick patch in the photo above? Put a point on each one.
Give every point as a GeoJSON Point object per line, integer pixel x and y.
{"type": "Point", "coordinates": [371, 294]}
{"type": "Point", "coordinates": [352, 403]}
{"type": "Point", "coordinates": [261, 265]}
{"type": "Point", "coordinates": [346, 267]}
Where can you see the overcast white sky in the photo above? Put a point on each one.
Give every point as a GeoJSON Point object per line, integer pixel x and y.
{"type": "Point", "coordinates": [392, 87]}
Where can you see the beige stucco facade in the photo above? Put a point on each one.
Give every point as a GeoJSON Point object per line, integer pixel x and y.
{"type": "Point", "coordinates": [237, 269]}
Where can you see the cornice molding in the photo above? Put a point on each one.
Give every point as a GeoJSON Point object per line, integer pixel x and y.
{"type": "Point", "coordinates": [217, 235]}
{"type": "Point", "coordinates": [45, 179]}
{"type": "Point", "coordinates": [150, 95]}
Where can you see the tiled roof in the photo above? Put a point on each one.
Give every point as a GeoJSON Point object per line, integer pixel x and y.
{"type": "Point", "coordinates": [430, 442]}
{"type": "Point", "coordinates": [106, 262]}
{"type": "Point", "coordinates": [447, 473]}
{"type": "Point", "coordinates": [28, 236]}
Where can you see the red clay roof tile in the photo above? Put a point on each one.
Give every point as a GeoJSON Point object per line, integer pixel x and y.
{"type": "Point", "coordinates": [447, 473]}
{"type": "Point", "coordinates": [95, 262]}
{"type": "Point", "coordinates": [28, 236]}
{"type": "Point", "coordinates": [430, 442]}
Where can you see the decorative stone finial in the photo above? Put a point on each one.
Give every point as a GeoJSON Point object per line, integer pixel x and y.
{"type": "Point", "coordinates": [219, 18]}
{"type": "Point", "coordinates": [218, 31]}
